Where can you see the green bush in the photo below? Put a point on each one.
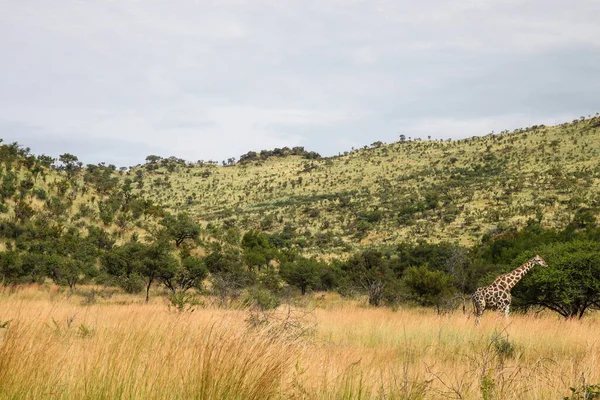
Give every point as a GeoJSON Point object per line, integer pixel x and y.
{"type": "Point", "coordinates": [183, 301]}
{"type": "Point", "coordinates": [428, 288]}
{"type": "Point", "coordinates": [262, 299]}
{"type": "Point", "coordinates": [133, 283]}
{"type": "Point", "coordinates": [40, 193]}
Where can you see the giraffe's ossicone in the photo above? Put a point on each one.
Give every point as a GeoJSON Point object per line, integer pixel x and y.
{"type": "Point", "coordinates": [497, 294]}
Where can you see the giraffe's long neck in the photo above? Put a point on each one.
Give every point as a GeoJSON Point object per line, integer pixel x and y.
{"type": "Point", "coordinates": [512, 278]}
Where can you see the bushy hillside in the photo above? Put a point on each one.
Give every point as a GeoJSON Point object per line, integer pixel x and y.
{"type": "Point", "coordinates": [42, 191]}
{"type": "Point", "coordinates": [385, 194]}
{"type": "Point", "coordinates": [380, 220]}
{"type": "Point", "coordinates": [378, 195]}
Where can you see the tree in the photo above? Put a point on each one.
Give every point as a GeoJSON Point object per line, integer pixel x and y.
{"type": "Point", "coordinates": [570, 285]}
{"type": "Point", "coordinates": [181, 227]}
{"type": "Point", "coordinates": [126, 189]}
{"type": "Point", "coordinates": [71, 164]}
{"type": "Point", "coordinates": [152, 159]}
{"type": "Point", "coordinates": [428, 288]}
{"type": "Point", "coordinates": [8, 187]}
{"type": "Point", "coordinates": [369, 273]}
{"type": "Point", "coordinates": [135, 260]}
{"type": "Point", "coordinates": [257, 249]}
{"type": "Point", "coordinates": [99, 238]}
{"type": "Point", "coordinates": [64, 270]}
{"type": "Point", "coordinates": [303, 273]}
{"type": "Point", "coordinates": [45, 161]}
{"type": "Point", "coordinates": [254, 258]}
{"type": "Point", "coordinates": [189, 274]}
{"type": "Point", "coordinates": [228, 275]}
{"type": "Point", "coordinates": [584, 218]}
{"type": "Point", "coordinates": [11, 267]}
{"type": "Point", "coordinates": [71, 259]}
{"type": "Point", "coordinates": [23, 211]}
{"type": "Point", "coordinates": [125, 260]}
{"type": "Point", "coordinates": [157, 262]}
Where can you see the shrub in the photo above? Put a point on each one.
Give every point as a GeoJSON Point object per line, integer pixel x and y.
{"type": "Point", "coordinates": [428, 288]}
{"type": "Point", "coordinates": [262, 299]}
{"type": "Point", "coordinates": [133, 283]}
{"type": "Point", "coordinates": [183, 301]}
{"type": "Point", "coordinates": [40, 193]}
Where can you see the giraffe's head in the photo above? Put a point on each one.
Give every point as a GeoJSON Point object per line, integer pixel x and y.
{"type": "Point", "coordinates": [539, 261]}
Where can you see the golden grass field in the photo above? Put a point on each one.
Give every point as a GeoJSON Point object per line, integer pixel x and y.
{"type": "Point", "coordinates": [331, 348]}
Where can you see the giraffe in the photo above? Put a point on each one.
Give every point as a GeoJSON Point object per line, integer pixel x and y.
{"type": "Point", "coordinates": [497, 294]}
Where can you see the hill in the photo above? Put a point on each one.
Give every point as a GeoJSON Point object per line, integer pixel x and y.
{"type": "Point", "coordinates": [369, 222]}
{"type": "Point", "coordinates": [385, 194]}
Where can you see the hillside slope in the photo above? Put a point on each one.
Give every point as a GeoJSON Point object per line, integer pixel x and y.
{"type": "Point", "coordinates": [405, 191]}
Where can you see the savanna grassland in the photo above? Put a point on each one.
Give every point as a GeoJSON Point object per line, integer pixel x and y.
{"type": "Point", "coordinates": [285, 275]}
{"type": "Point", "coordinates": [56, 345]}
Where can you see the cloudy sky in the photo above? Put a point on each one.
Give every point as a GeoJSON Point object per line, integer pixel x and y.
{"type": "Point", "coordinates": [118, 80]}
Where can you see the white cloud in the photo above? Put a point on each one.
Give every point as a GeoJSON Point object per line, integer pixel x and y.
{"type": "Point", "coordinates": [214, 79]}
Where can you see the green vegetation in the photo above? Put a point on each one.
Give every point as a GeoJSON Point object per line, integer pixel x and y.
{"type": "Point", "coordinates": [389, 194]}
{"type": "Point", "coordinates": [413, 222]}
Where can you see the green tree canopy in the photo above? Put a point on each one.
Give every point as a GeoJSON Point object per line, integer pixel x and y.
{"type": "Point", "coordinates": [570, 285]}
{"type": "Point", "coordinates": [303, 273]}
{"type": "Point", "coordinates": [151, 262]}
{"type": "Point", "coordinates": [258, 250]}
{"type": "Point", "coordinates": [427, 287]}
{"type": "Point", "coordinates": [124, 260]}
{"type": "Point", "coordinates": [70, 164]}
{"type": "Point", "coordinates": [189, 274]}
{"type": "Point", "coordinates": [152, 159]}
{"type": "Point", "coordinates": [228, 274]}
{"type": "Point", "coordinates": [158, 261]}
{"type": "Point", "coordinates": [181, 227]}
{"type": "Point", "coordinates": [369, 273]}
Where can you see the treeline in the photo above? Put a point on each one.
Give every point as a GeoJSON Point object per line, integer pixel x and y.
{"type": "Point", "coordinates": [154, 162]}
{"type": "Point", "coordinates": [279, 152]}
{"type": "Point", "coordinates": [259, 270]}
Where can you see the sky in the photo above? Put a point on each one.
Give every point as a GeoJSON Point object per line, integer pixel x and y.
{"type": "Point", "coordinates": [115, 81]}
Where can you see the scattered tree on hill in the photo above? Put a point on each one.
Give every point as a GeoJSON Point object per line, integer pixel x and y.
{"type": "Point", "coordinates": [258, 251]}
{"type": "Point", "coordinates": [70, 164]}
{"type": "Point", "coordinates": [152, 159]}
{"type": "Point", "coordinates": [279, 152]}
{"type": "Point", "coordinates": [181, 227]}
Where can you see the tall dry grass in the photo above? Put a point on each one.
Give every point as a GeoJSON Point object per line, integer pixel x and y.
{"type": "Point", "coordinates": [55, 347]}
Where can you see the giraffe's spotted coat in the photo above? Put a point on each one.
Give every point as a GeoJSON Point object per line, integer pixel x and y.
{"type": "Point", "coordinates": [497, 294]}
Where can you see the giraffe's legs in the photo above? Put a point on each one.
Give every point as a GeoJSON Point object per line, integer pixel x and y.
{"type": "Point", "coordinates": [479, 306]}
{"type": "Point", "coordinates": [504, 310]}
